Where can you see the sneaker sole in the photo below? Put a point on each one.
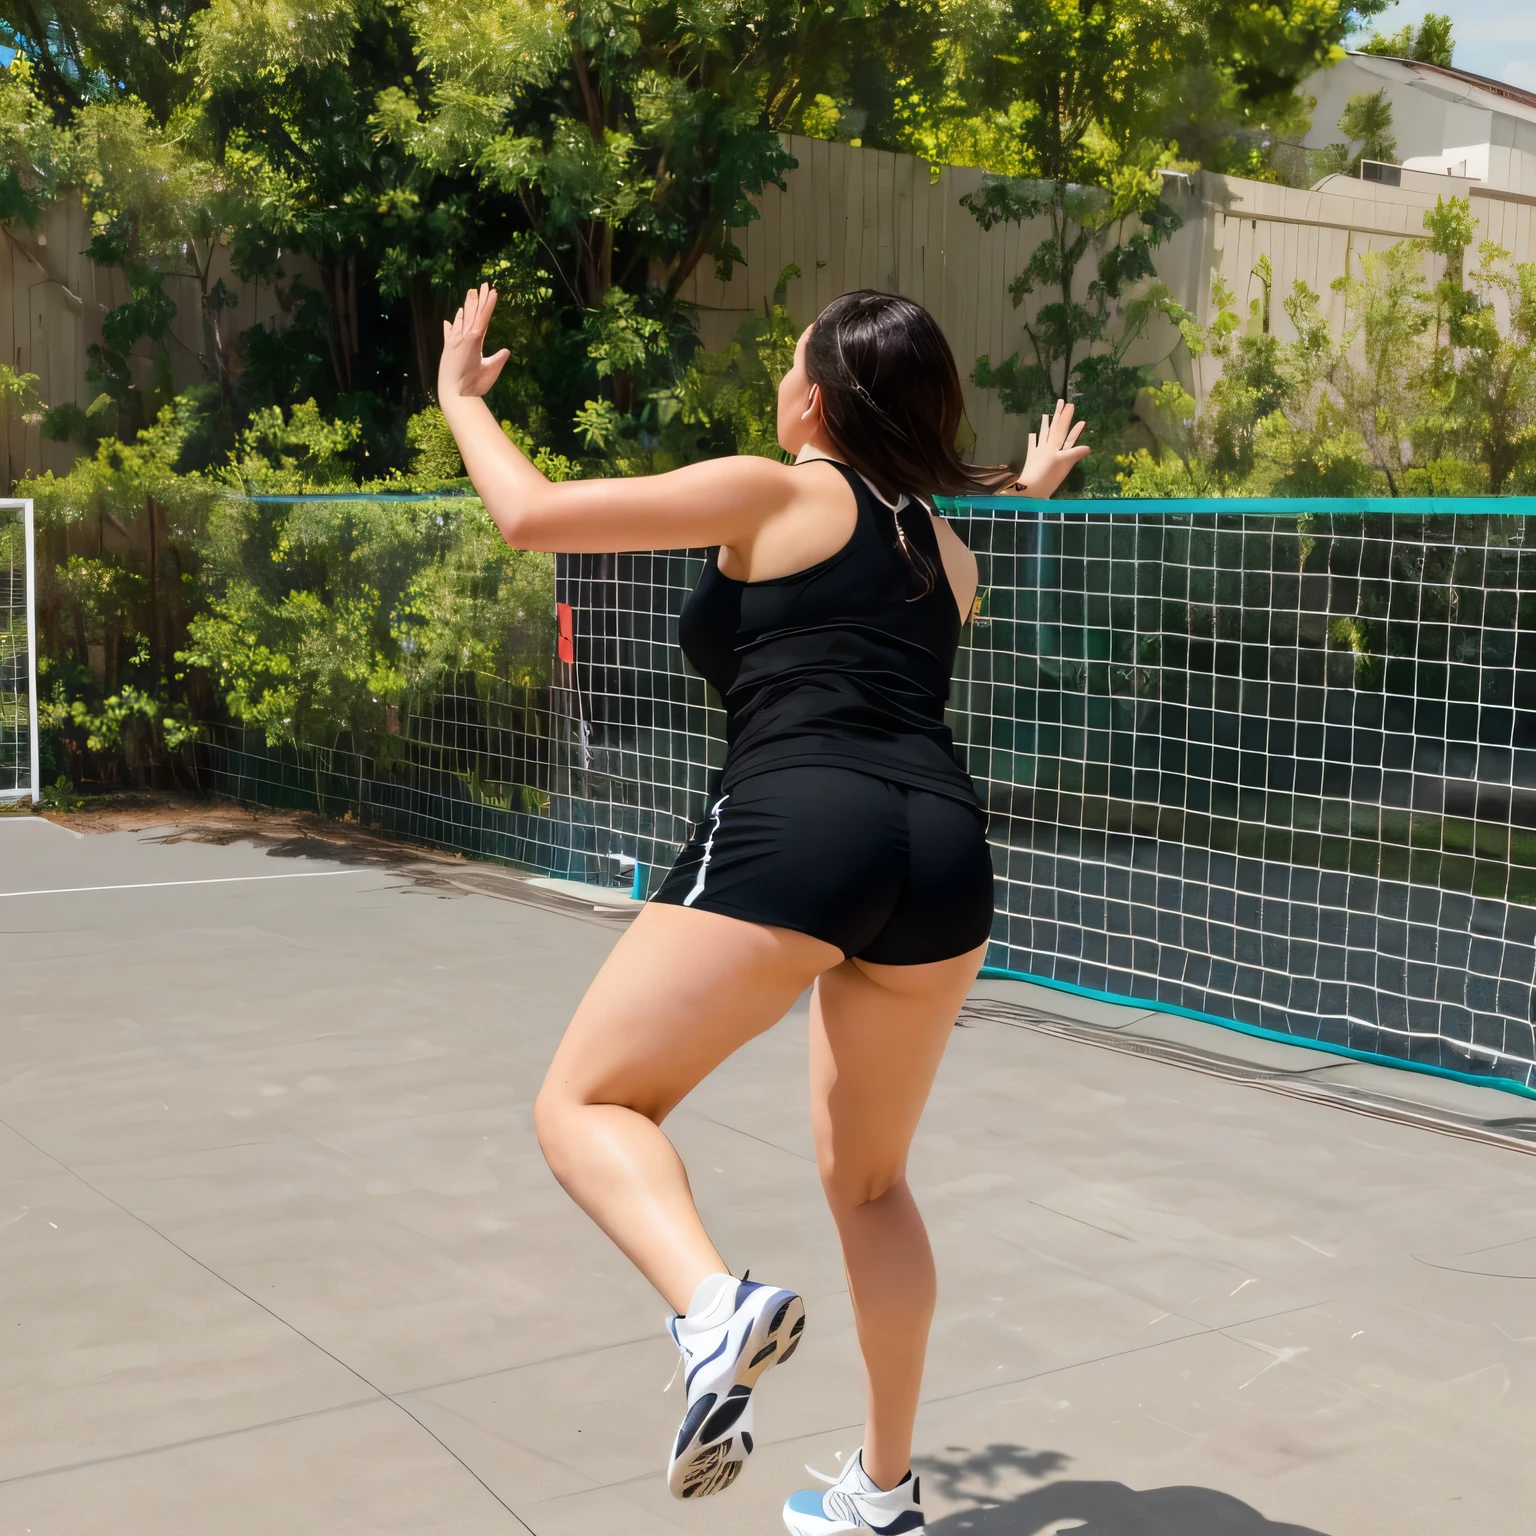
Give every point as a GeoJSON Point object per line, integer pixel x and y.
{"type": "Point", "coordinates": [716, 1437]}
{"type": "Point", "coordinates": [829, 1528]}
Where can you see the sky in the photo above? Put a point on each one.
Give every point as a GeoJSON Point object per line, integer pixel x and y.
{"type": "Point", "coordinates": [1493, 37]}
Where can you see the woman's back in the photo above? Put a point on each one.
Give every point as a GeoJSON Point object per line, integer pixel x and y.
{"type": "Point", "coordinates": [846, 663]}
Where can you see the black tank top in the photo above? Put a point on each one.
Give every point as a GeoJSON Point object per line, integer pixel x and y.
{"type": "Point", "coordinates": [840, 665]}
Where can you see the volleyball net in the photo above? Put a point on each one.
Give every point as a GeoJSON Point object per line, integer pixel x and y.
{"type": "Point", "coordinates": [1272, 763]}
{"type": "Point", "coordinates": [19, 772]}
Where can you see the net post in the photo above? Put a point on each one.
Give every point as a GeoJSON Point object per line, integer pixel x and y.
{"type": "Point", "coordinates": [28, 537]}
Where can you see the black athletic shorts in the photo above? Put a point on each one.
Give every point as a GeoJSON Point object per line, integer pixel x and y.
{"type": "Point", "coordinates": [892, 875]}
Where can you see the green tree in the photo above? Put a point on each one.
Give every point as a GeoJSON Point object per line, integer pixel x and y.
{"type": "Point", "coordinates": [250, 127]}
{"type": "Point", "coordinates": [974, 85]}
{"type": "Point", "coordinates": [1380, 363]}
{"type": "Point", "coordinates": [1084, 88]}
{"type": "Point", "coordinates": [632, 141]}
{"type": "Point", "coordinates": [1482, 379]}
{"type": "Point", "coordinates": [1308, 446]}
{"type": "Point", "coordinates": [1092, 103]}
{"type": "Point", "coordinates": [1115, 236]}
{"type": "Point", "coordinates": [1211, 452]}
{"type": "Point", "coordinates": [727, 402]}
{"type": "Point", "coordinates": [80, 52]}
{"type": "Point", "coordinates": [1431, 42]}
{"type": "Point", "coordinates": [161, 211]}
{"type": "Point", "coordinates": [38, 156]}
{"type": "Point", "coordinates": [1367, 120]}
{"type": "Point", "coordinates": [291, 100]}
{"type": "Point", "coordinates": [1322, 415]}
{"type": "Point", "coordinates": [20, 403]}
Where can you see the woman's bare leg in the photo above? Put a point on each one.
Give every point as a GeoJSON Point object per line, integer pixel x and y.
{"type": "Point", "coordinates": [681, 991]}
{"type": "Point", "coordinates": [877, 1034]}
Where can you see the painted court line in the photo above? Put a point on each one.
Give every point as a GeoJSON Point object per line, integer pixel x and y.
{"type": "Point", "coordinates": [150, 885]}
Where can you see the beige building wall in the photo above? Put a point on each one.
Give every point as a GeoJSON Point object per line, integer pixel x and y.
{"type": "Point", "coordinates": [854, 218]}
{"type": "Point", "coordinates": [1444, 120]}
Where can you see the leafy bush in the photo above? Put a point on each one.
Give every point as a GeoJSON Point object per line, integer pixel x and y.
{"type": "Point", "coordinates": [729, 401]}
{"type": "Point", "coordinates": [301, 451]}
{"type": "Point", "coordinates": [435, 459]}
{"type": "Point", "coordinates": [1425, 390]}
{"type": "Point", "coordinates": [167, 596]}
{"type": "Point", "coordinates": [119, 539]}
{"type": "Point", "coordinates": [325, 620]}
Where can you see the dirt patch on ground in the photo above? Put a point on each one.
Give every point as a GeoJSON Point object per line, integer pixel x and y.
{"type": "Point", "coordinates": [186, 818]}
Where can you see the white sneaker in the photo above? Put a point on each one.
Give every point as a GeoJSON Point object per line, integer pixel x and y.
{"type": "Point", "coordinates": [853, 1503]}
{"type": "Point", "coordinates": [734, 1330]}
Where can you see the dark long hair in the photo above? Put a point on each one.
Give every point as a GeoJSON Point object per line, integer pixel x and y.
{"type": "Point", "coordinates": [890, 396]}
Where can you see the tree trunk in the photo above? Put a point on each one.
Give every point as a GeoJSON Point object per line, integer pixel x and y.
{"type": "Point", "coordinates": [426, 333]}
{"type": "Point", "coordinates": [156, 626]}
{"type": "Point", "coordinates": [1066, 296]}
{"type": "Point", "coordinates": [339, 279]}
{"type": "Point", "coordinates": [686, 263]}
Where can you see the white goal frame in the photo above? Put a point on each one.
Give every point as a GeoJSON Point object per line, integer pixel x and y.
{"type": "Point", "coordinates": [34, 790]}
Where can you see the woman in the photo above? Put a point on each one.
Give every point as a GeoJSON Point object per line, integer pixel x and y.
{"type": "Point", "coordinates": [845, 848]}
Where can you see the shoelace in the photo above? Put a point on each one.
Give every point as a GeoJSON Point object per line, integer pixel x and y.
{"type": "Point", "coordinates": [683, 1353]}
{"type": "Point", "coordinates": [672, 1379]}
{"type": "Point", "coordinates": [837, 1500]}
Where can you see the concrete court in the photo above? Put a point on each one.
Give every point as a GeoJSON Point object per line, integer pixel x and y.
{"type": "Point", "coordinates": [278, 1253]}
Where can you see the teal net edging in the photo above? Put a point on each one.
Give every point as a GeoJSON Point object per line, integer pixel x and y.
{"type": "Point", "coordinates": [1270, 764]}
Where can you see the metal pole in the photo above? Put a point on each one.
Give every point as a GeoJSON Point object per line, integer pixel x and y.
{"type": "Point", "coordinates": [37, 774]}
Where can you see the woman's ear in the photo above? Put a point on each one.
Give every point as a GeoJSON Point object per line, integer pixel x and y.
{"type": "Point", "coordinates": [812, 405]}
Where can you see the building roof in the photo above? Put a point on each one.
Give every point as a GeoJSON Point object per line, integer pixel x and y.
{"type": "Point", "coordinates": [1515, 94]}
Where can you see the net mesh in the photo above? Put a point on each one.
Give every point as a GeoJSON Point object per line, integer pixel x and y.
{"type": "Point", "coordinates": [1281, 770]}
{"type": "Point", "coordinates": [605, 768]}
{"type": "Point", "coordinates": [1273, 768]}
{"type": "Point", "coordinates": [15, 660]}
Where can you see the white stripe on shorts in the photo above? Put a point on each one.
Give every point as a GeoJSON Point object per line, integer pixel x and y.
{"type": "Point", "coordinates": [709, 843]}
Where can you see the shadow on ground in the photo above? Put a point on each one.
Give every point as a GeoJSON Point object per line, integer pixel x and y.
{"type": "Point", "coordinates": [1082, 1507]}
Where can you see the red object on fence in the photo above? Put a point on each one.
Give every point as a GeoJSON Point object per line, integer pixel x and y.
{"type": "Point", "coordinates": [566, 647]}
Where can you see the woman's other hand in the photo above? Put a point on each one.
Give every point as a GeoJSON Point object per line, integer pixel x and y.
{"type": "Point", "coordinates": [463, 369]}
{"type": "Point", "coordinates": [1052, 453]}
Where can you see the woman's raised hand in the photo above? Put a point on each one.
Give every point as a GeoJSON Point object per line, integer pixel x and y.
{"type": "Point", "coordinates": [464, 369]}
{"type": "Point", "coordinates": [1052, 453]}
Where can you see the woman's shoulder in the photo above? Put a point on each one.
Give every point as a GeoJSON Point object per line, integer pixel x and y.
{"type": "Point", "coordinates": [753, 479]}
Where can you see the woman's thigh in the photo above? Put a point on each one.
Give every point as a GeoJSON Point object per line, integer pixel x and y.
{"type": "Point", "coordinates": [878, 1033]}
{"type": "Point", "coordinates": [681, 991]}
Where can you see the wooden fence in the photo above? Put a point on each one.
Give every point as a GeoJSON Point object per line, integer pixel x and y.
{"type": "Point", "coordinates": [52, 299]}
{"type": "Point", "coordinates": [863, 218]}
{"type": "Point", "coordinates": [850, 218]}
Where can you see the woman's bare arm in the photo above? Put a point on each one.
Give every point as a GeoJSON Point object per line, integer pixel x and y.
{"type": "Point", "coordinates": [723, 501]}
